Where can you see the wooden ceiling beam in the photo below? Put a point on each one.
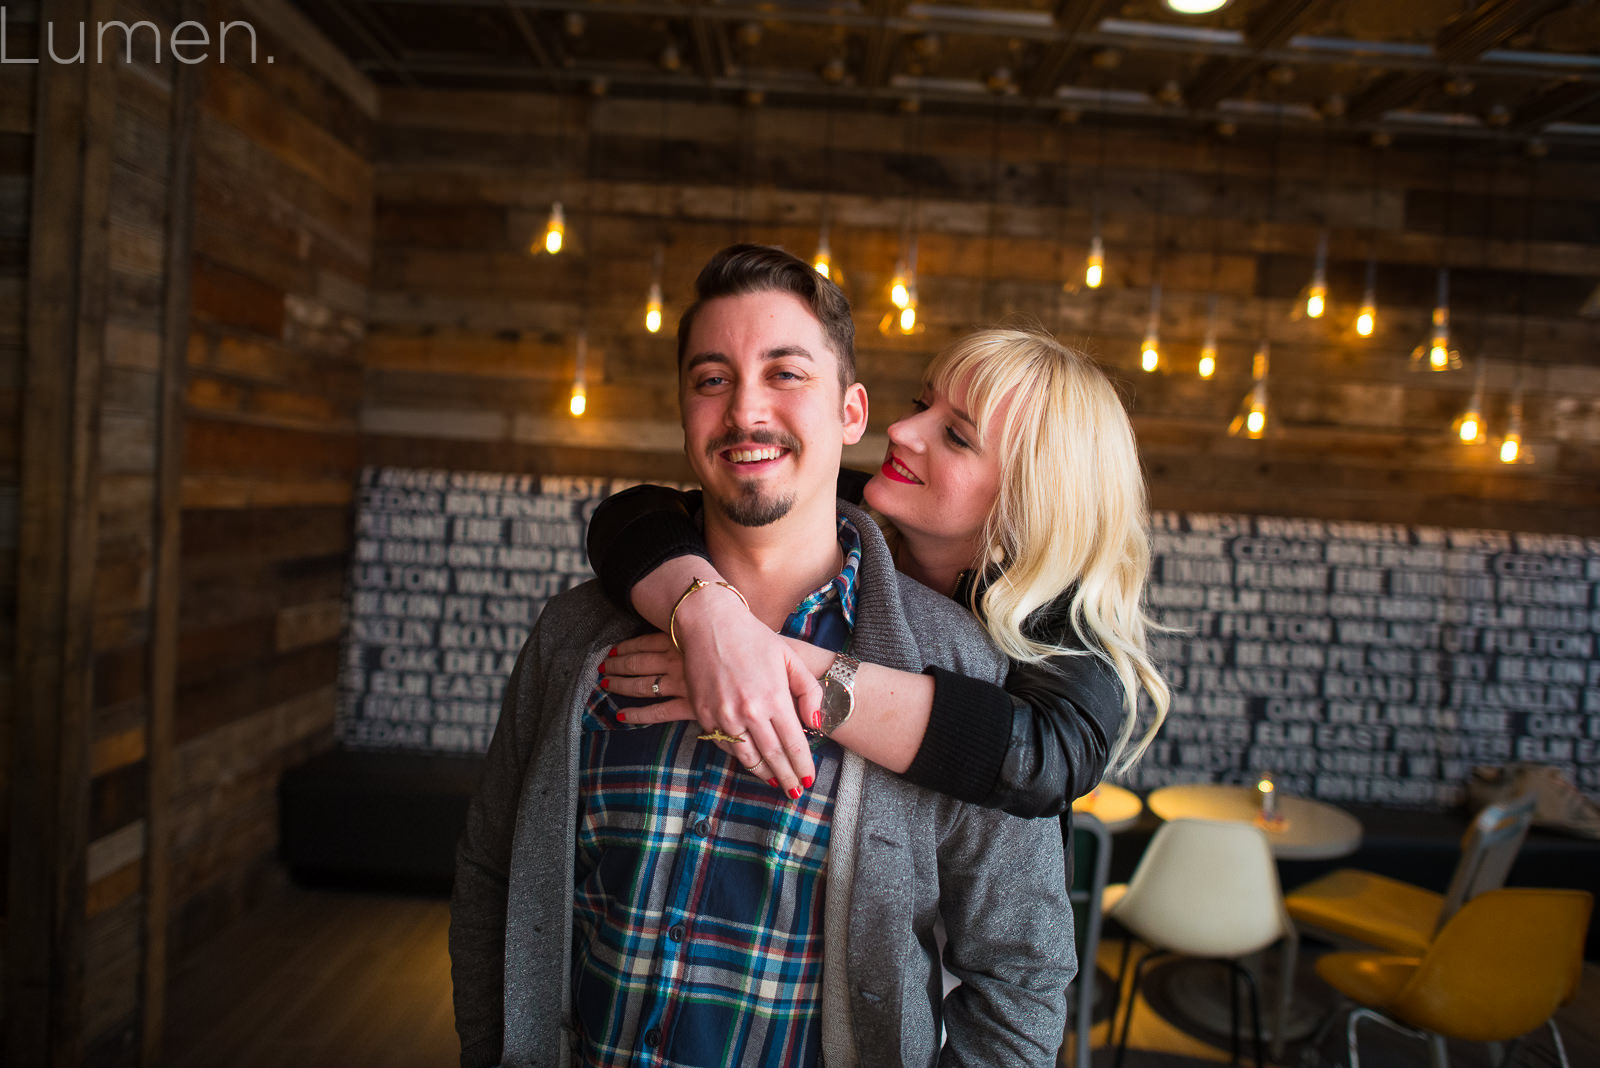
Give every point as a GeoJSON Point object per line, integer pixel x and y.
{"type": "Point", "coordinates": [1269, 28]}
{"type": "Point", "coordinates": [368, 28]}
{"type": "Point", "coordinates": [1072, 17]}
{"type": "Point", "coordinates": [530, 37]}
{"type": "Point", "coordinates": [1553, 105]}
{"type": "Point", "coordinates": [1489, 24]}
{"type": "Point", "coordinates": [880, 46]}
{"type": "Point", "coordinates": [1389, 92]}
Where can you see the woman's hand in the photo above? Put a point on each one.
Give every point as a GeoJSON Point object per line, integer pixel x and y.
{"type": "Point", "coordinates": [735, 676]}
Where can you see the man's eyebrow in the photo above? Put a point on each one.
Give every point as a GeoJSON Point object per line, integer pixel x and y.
{"type": "Point", "coordinates": [778, 353]}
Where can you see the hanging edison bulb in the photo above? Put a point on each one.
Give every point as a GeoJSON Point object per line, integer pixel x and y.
{"type": "Point", "coordinates": [1208, 350]}
{"type": "Point", "coordinates": [555, 229]}
{"type": "Point", "coordinates": [579, 401]}
{"type": "Point", "coordinates": [1150, 350]}
{"type": "Point", "coordinates": [1251, 419]}
{"type": "Point", "coordinates": [823, 260]}
{"type": "Point", "coordinates": [1367, 317]}
{"type": "Point", "coordinates": [1436, 354]}
{"type": "Point", "coordinates": [900, 286]}
{"type": "Point", "coordinates": [652, 309]}
{"type": "Point", "coordinates": [652, 304]}
{"type": "Point", "coordinates": [1468, 426]}
{"type": "Point", "coordinates": [908, 311]}
{"type": "Point", "coordinates": [1511, 450]}
{"type": "Point", "coordinates": [1317, 290]}
{"type": "Point", "coordinates": [1095, 267]}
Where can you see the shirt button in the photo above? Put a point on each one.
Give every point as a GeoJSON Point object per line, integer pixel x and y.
{"type": "Point", "coordinates": [676, 932]}
{"type": "Point", "coordinates": [702, 827]}
{"type": "Point", "coordinates": [652, 1038]}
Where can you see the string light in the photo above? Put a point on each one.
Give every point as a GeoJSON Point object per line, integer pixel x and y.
{"type": "Point", "coordinates": [579, 402]}
{"type": "Point", "coordinates": [908, 312]}
{"type": "Point", "coordinates": [1150, 354]}
{"type": "Point", "coordinates": [1511, 450]}
{"type": "Point", "coordinates": [652, 306]}
{"type": "Point", "coordinates": [1468, 426]}
{"type": "Point", "coordinates": [1317, 291]}
{"type": "Point", "coordinates": [555, 229]}
{"type": "Point", "coordinates": [1251, 419]}
{"type": "Point", "coordinates": [1367, 317]}
{"type": "Point", "coordinates": [1208, 351]}
{"type": "Point", "coordinates": [823, 260]}
{"type": "Point", "coordinates": [1436, 354]}
{"type": "Point", "coordinates": [1095, 267]}
{"type": "Point", "coordinates": [900, 287]}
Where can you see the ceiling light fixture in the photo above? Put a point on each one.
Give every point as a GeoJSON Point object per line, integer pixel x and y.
{"type": "Point", "coordinates": [579, 402]}
{"type": "Point", "coordinates": [1196, 7]}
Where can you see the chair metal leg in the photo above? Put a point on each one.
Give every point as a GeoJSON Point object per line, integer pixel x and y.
{"type": "Point", "coordinates": [1233, 1011]}
{"type": "Point", "coordinates": [1349, 1036]}
{"type": "Point", "coordinates": [1291, 955]}
{"type": "Point", "coordinates": [1133, 999]}
{"type": "Point", "coordinates": [1438, 1056]}
{"type": "Point", "coordinates": [1561, 1050]}
{"type": "Point", "coordinates": [1324, 1028]}
{"type": "Point", "coordinates": [1255, 1008]}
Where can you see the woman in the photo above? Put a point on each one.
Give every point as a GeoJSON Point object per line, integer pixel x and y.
{"type": "Point", "coordinates": [1013, 486]}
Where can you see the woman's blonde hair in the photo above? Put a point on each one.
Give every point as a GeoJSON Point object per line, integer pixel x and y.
{"type": "Point", "coordinates": [1071, 512]}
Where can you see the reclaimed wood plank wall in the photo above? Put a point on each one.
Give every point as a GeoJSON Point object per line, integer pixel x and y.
{"type": "Point", "coordinates": [282, 239]}
{"type": "Point", "coordinates": [178, 332]}
{"type": "Point", "coordinates": [470, 350]}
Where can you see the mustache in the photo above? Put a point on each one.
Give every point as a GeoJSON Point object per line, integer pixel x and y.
{"type": "Point", "coordinates": [752, 437]}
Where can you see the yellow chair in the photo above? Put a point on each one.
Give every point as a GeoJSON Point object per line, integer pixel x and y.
{"type": "Point", "coordinates": [1361, 907]}
{"type": "Point", "coordinates": [1498, 969]}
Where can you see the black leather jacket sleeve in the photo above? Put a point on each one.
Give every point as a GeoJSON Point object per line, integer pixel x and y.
{"type": "Point", "coordinates": [1029, 748]}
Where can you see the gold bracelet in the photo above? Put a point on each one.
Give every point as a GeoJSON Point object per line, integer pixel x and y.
{"type": "Point", "coordinates": [695, 587]}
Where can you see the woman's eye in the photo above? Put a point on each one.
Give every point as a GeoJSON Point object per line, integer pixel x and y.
{"type": "Point", "coordinates": [710, 382]}
{"type": "Point", "coordinates": [918, 405]}
{"type": "Point", "coordinates": [956, 439]}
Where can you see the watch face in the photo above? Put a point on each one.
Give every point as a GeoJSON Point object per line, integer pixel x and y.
{"type": "Point", "coordinates": [838, 701]}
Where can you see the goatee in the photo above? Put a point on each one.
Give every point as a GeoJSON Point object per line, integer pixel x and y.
{"type": "Point", "coordinates": [750, 507]}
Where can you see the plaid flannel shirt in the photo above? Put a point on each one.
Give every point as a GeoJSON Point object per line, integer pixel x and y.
{"type": "Point", "coordinates": [697, 916]}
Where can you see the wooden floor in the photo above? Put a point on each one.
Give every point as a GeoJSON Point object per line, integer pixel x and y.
{"type": "Point", "coordinates": [325, 978]}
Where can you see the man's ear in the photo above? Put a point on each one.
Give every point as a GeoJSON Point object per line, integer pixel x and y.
{"type": "Point", "coordinates": [855, 412]}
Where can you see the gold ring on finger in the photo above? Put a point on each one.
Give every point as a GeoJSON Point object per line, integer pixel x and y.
{"type": "Point", "coordinates": [719, 735]}
{"type": "Point", "coordinates": [752, 768]}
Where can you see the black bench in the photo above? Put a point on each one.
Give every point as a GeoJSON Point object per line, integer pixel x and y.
{"type": "Point", "coordinates": [376, 819]}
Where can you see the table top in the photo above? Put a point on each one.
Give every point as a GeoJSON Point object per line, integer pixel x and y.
{"type": "Point", "coordinates": [1308, 830]}
{"type": "Point", "coordinates": [1112, 805]}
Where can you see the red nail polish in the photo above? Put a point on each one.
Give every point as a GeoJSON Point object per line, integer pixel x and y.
{"type": "Point", "coordinates": [605, 684]}
{"type": "Point", "coordinates": [794, 793]}
{"type": "Point", "coordinates": [613, 651]}
{"type": "Point", "coordinates": [772, 782]}
{"type": "Point", "coordinates": [602, 667]}
{"type": "Point", "coordinates": [621, 718]}
{"type": "Point", "coordinates": [807, 781]}
{"type": "Point", "coordinates": [816, 720]}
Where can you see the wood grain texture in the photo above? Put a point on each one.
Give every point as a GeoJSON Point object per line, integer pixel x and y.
{"type": "Point", "coordinates": [67, 272]}
{"type": "Point", "coordinates": [470, 337]}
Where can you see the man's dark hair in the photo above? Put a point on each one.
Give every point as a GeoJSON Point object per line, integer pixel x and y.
{"type": "Point", "coordinates": [741, 269]}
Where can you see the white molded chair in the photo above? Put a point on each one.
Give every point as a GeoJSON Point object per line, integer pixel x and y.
{"type": "Point", "coordinates": [1206, 889]}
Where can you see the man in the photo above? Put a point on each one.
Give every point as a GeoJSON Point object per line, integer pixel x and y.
{"type": "Point", "coordinates": [632, 895]}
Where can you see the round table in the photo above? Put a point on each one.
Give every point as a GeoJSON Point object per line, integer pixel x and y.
{"type": "Point", "coordinates": [1308, 830]}
{"type": "Point", "coordinates": [1116, 807]}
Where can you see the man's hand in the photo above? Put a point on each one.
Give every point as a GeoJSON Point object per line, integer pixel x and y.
{"type": "Point", "coordinates": [734, 676]}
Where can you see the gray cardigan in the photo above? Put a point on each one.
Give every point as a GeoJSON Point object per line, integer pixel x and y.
{"type": "Point", "coordinates": [902, 859]}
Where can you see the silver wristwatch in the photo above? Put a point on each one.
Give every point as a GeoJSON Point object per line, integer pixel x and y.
{"type": "Point", "coordinates": [838, 693]}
